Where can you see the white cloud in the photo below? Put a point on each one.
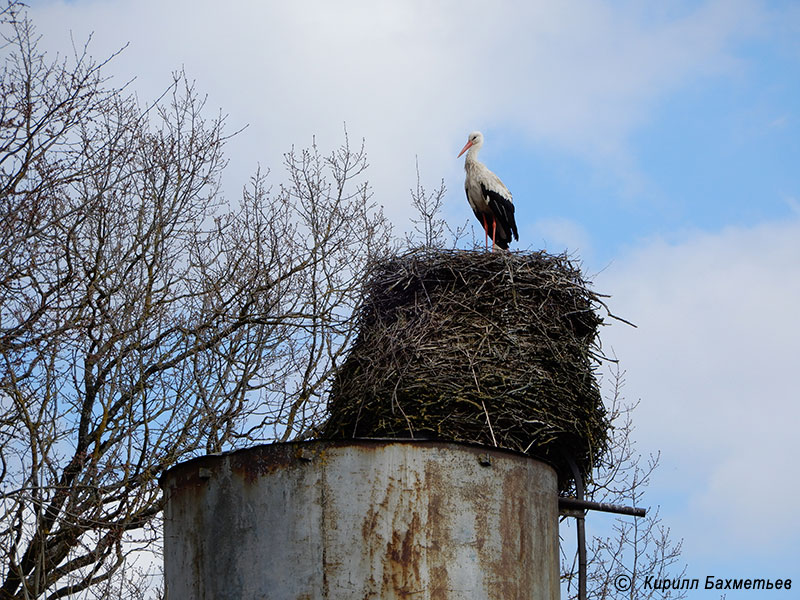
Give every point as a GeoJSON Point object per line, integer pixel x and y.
{"type": "Point", "coordinates": [714, 361]}
{"type": "Point", "coordinates": [413, 78]}
{"type": "Point", "coordinates": [558, 235]}
{"type": "Point", "coordinates": [793, 204]}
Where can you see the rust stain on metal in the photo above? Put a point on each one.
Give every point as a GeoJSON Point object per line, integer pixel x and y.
{"type": "Point", "coordinates": [515, 512]}
{"type": "Point", "coordinates": [375, 513]}
{"type": "Point", "coordinates": [265, 460]}
{"type": "Point", "coordinates": [405, 559]}
{"type": "Point", "coordinates": [253, 465]}
{"type": "Point", "coordinates": [188, 479]}
{"type": "Point", "coordinates": [439, 586]}
{"type": "Point", "coordinates": [438, 531]}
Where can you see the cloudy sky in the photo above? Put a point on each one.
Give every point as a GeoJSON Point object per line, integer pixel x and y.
{"type": "Point", "coordinates": [658, 142]}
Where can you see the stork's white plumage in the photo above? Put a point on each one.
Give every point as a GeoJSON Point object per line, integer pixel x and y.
{"type": "Point", "coordinates": [489, 198]}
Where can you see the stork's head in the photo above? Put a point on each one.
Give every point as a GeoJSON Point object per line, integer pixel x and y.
{"type": "Point", "coordinates": [475, 140]}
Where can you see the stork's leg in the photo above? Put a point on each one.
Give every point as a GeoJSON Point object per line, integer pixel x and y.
{"type": "Point", "coordinates": [494, 232]}
{"type": "Point", "coordinates": [486, 232]}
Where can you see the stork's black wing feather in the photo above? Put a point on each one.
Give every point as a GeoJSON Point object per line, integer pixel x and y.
{"type": "Point", "coordinates": [503, 210]}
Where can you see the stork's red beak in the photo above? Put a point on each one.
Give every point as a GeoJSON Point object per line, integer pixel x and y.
{"type": "Point", "coordinates": [464, 149]}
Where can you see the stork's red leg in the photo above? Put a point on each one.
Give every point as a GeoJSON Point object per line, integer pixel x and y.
{"type": "Point", "coordinates": [494, 232]}
{"type": "Point", "coordinates": [486, 232]}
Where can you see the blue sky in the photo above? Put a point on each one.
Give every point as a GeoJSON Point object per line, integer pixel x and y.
{"type": "Point", "coordinates": [657, 142]}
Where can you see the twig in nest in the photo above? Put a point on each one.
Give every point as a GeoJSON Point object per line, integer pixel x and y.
{"type": "Point", "coordinates": [489, 423]}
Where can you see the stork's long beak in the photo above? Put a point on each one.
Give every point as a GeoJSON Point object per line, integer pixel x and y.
{"type": "Point", "coordinates": [464, 149]}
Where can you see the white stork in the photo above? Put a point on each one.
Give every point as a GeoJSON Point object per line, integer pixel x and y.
{"type": "Point", "coordinates": [489, 198]}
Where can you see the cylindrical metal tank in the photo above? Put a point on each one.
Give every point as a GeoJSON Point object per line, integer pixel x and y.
{"type": "Point", "coordinates": [362, 519]}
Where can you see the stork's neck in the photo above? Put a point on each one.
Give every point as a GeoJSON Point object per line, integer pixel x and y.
{"type": "Point", "coordinates": [472, 156]}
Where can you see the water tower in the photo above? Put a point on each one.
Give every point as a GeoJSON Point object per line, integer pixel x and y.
{"type": "Point", "coordinates": [467, 404]}
{"type": "Point", "coordinates": [386, 519]}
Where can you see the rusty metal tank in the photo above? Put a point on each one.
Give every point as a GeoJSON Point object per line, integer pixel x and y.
{"type": "Point", "coordinates": [365, 519]}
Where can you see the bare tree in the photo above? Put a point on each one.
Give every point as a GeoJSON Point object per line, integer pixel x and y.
{"type": "Point", "coordinates": [144, 320]}
{"type": "Point", "coordinates": [428, 224]}
{"type": "Point", "coordinates": [637, 548]}
{"type": "Point", "coordinates": [430, 230]}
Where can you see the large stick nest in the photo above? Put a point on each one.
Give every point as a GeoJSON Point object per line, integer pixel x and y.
{"type": "Point", "coordinates": [493, 348]}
